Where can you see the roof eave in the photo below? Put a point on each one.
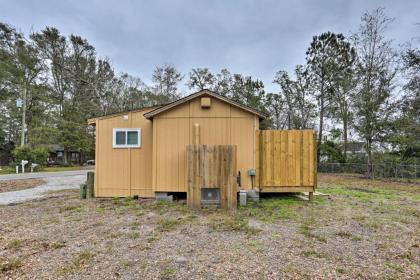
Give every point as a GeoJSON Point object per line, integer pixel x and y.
{"type": "Point", "coordinates": [92, 121]}
{"type": "Point", "coordinates": [153, 113]}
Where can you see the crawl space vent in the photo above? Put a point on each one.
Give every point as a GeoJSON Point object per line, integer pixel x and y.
{"type": "Point", "coordinates": [210, 195]}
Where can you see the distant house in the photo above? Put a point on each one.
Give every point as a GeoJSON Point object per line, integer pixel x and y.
{"type": "Point", "coordinates": [56, 155]}
{"type": "Point", "coordinates": [355, 148]}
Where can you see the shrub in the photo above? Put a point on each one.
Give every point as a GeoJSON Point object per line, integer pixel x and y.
{"type": "Point", "coordinates": [32, 155]}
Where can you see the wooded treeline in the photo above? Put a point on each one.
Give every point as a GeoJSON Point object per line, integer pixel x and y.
{"type": "Point", "coordinates": [353, 87]}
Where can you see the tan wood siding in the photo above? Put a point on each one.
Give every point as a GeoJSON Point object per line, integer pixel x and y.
{"type": "Point", "coordinates": [123, 171]}
{"type": "Point", "coordinates": [172, 139]}
{"type": "Point", "coordinates": [160, 164]}
{"type": "Point", "coordinates": [177, 112]}
{"type": "Point", "coordinates": [238, 113]}
{"type": "Point", "coordinates": [221, 124]}
{"type": "Point", "coordinates": [141, 159]}
{"type": "Point", "coordinates": [243, 136]}
{"type": "Point", "coordinates": [218, 109]}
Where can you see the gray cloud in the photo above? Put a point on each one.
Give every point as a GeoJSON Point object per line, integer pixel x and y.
{"type": "Point", "coordinates": [251, 37]}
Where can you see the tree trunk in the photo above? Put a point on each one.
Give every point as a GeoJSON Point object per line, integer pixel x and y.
{"type": "Point", "coordinates": [65, 157]}
{"type": "Point", "coordinates": [321, 127]}
{"type": "Point", "coordinates": [22, 136]}
{"type": "Point", "coordinates": [369, 158]}
{"type": "Point", "coordinates": [345, 139]}
{"type": "Point", "coordinates": [321, 120]}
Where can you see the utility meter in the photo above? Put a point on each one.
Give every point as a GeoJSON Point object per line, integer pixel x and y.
{"type": "Point", "coordinates": [251, 172]}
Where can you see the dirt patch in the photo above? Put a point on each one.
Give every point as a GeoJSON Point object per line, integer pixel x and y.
{"type": "Point", "coordinates": [21, 184]}
{"type": "Point", "coordinates": [352, 234]}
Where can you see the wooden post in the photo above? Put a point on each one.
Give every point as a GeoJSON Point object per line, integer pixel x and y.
{"type": "Point", "coordinates": [196, 134]}
{"type": "Point", "coordinates": [231, 184]}
{"type": "Point", "coordinates": [90, 184]}
{"type": "Point", "coordinates": [190, 179]}
{"type": "Point", "coordinates": [311, 196]}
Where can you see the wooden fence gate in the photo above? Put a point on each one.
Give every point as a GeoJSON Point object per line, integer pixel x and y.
{"type": "Point", "coordinates": [212, 168]}
{"type": "Point", "coordinates": [286, 160]}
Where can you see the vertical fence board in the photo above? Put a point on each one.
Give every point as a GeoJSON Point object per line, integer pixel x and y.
{"type": "Point", "coordinates": [283, 158]}
{"type": "Point", "coordinates": [297, 157]}
{"type": "Point", "coordinates": [306, 147]}
{"type": "Point", "coordinates": [290, 160]}
{"type": "Point", "coordinates": [257, 158]}
{"type": "Point", "coordinates": [276, 163]}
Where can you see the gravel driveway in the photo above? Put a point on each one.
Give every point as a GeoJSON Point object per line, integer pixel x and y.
{"type": "Point", "coordinates": [55, 181]}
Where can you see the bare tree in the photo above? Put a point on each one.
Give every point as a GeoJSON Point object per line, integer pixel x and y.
{"type": "Point", "coordinates": [342, 87]}
{"type": "Point", "coordinates": [201, 78]}
{"type": "Point", "coordinates": [323, 56]}
{"type": "Point", "coordinates": [166, 79]}
{"type": "Point", "coordinates": [376, 70]}
{"type": "Point", "coordinates": [297, 97]}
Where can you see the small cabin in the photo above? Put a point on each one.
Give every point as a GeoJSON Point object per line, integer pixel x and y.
{"type": "Point", "coordinates": [143, 152]}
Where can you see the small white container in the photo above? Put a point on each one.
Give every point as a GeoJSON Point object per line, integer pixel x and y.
{"type": "Point", "coordinates": [242, 197]}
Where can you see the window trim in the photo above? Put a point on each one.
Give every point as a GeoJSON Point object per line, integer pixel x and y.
{"type": "Point", "coordinates": [114, 138]}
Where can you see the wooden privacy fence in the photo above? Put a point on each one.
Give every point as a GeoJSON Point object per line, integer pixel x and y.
{"type": "Point", "coordinates": [212, 167]}
{"type": "Point", "coordinates": [286, 160]}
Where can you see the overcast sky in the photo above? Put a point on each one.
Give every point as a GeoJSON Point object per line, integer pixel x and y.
{"type": "Point", "coordinates": [254, 38]}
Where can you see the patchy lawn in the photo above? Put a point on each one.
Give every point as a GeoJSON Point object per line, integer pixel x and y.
{"type": "Point", "coordinates": [363, 230]}
{"type": "Point", "coordinates": [66, 168]}
{"type": "Point", "coordinates": [21, 184]}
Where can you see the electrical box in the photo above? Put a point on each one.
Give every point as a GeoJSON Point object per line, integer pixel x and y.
{"type": "Point", "coordinates": [205, 102]}
{"type": "Point", "coordinates": [251, 172]}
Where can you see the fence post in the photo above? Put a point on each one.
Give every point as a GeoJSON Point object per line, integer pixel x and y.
{"type": "Point", "coordinates": [90, 184]}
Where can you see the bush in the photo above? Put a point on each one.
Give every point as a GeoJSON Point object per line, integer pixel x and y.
{"type": "Point", "coordinates": [32, 155]}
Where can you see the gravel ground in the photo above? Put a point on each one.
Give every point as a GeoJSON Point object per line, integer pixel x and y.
{"type": "Point", "coordinates": [52, 184]}
{"type": "Point", "coordinates": [361, 231]}
{"type": "Point", "coordinates": [16, 185]}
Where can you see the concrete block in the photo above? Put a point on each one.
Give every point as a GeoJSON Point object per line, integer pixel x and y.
{"type": "Point", "coordinates": [242, 197]}
{"type": "Point", "coordinates": [253, 195]}
{"type": "Point", "coordinates": [163, 196]}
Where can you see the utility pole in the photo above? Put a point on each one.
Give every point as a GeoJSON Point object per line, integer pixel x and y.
{"type": "Point", "coordinates": [22, 136]}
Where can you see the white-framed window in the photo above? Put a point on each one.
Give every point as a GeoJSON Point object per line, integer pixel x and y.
{"type": "Point", "coordinates": [126, 138]}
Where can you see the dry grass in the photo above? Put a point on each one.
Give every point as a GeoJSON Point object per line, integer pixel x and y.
{"type": "Point", "coordinates": [364, 230]}
{"type": "Point", "coordinates": [9, 264]}
{"type": "Point", "coordinates": [226, 222]}
{"type": "Point", "coordinates": [76, 263]}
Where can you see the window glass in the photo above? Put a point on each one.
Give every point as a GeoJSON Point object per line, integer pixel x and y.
{"type": "Point", "coordinates": [132, 137]}
{"type": "Point", "coordinates": [120, 138]}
